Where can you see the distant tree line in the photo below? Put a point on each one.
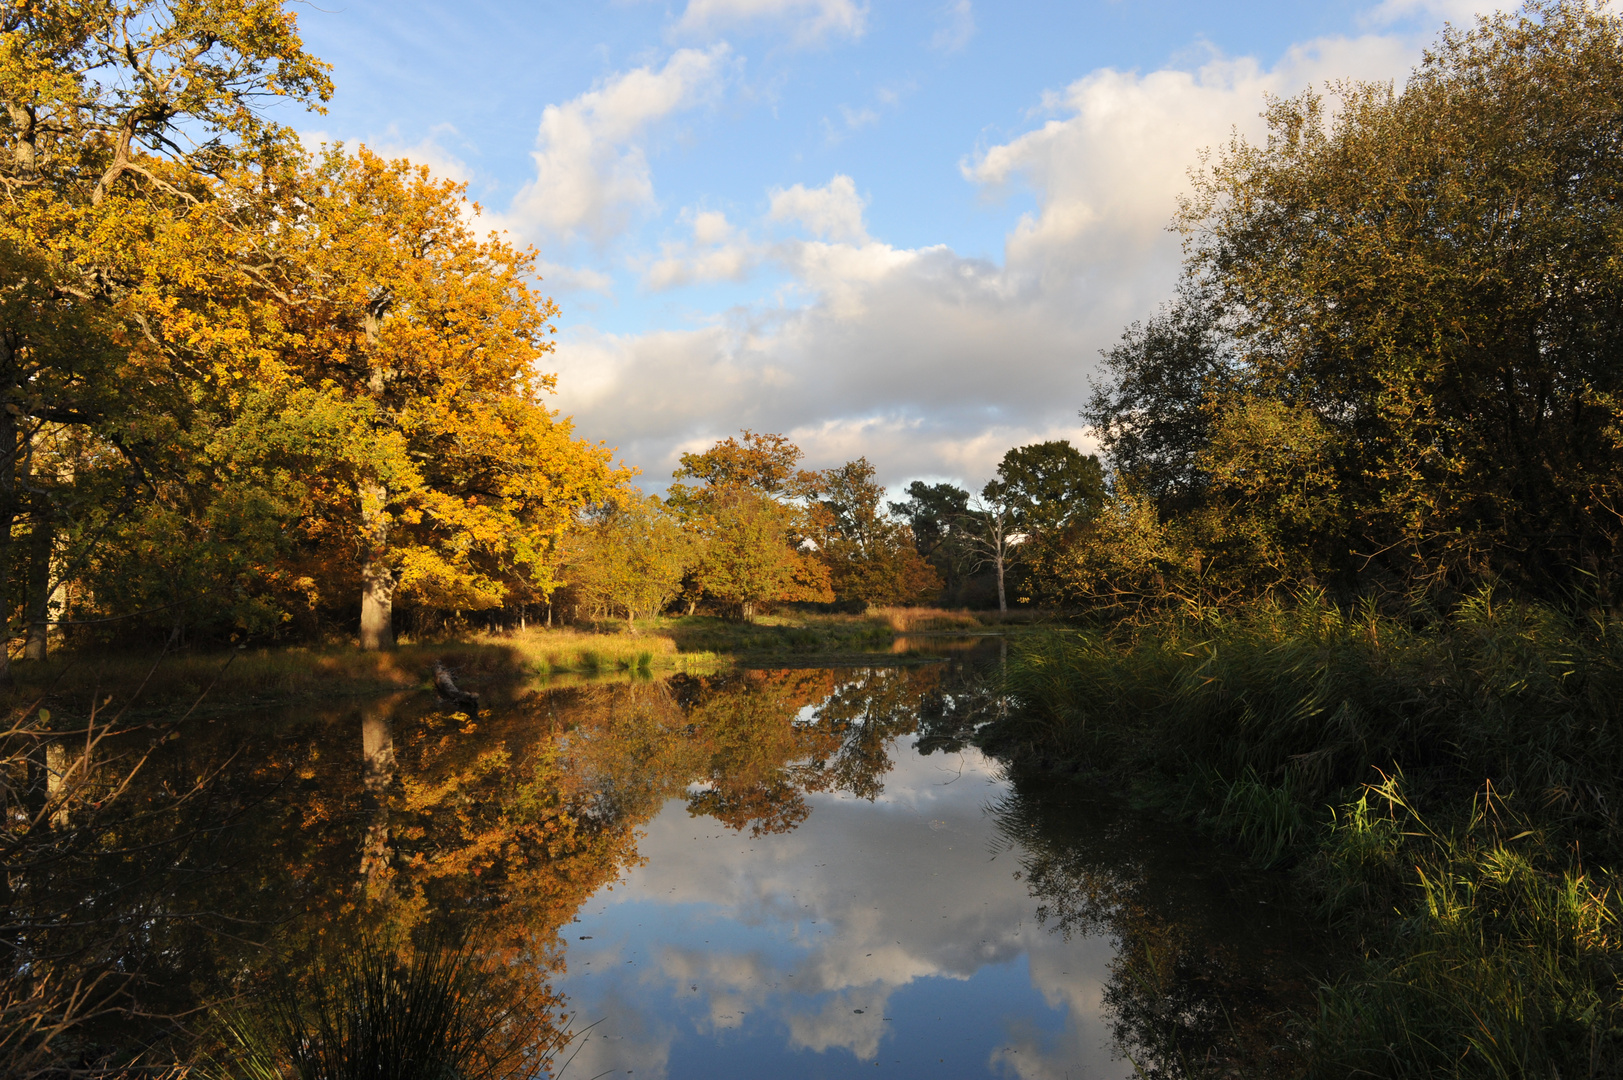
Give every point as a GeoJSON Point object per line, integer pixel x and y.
{"type": "Point", "coordinates": [744, 528]}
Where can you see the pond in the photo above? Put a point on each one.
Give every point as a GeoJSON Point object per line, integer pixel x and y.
{"type": "Point", "coordinates": [780, 872]}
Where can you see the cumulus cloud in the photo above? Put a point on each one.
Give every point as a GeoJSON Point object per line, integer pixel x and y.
{"type": "Point", "coordinates": [429, 151]}
{"type": "Point", "coordinates": [810, 21]}
{"type": "Point", "coordinates": [1108, 169]}
{"type": "Point", "coordinates": [591, 168]}
{"type": "Point", "coordinates": [557, 278]}
{"type": "Point", "coordinates": [928, 361]}
{"type": "Point", "coordinates": [716, 252]}
{"type": "Point", "coordinates": [1458, 12]}
{"type": "Point", "coordinates": [831, 212]}
{"type": "Point", "coordinates": [923, 360]}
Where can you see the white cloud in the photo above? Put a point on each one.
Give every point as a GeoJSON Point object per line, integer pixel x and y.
{"type": "Point", "coordinates": [1108, 172]}
{"type": "Point", "coordinates": [922, 360]}
{"type": "Point", "coordinates": [928, 361]}
{"type": "Point", "coordinates": [717, 252]}
{"type": "Point", "coordinates": [957, 27]}
{"type": "Point", "coordinates": [831, 212]}
{"type": "Point", "coordinates": [811, 21]}
{"type": "Point", "coordinates": [426, 151]}
{"type": "Point", "coordinates": [856, 119]}
{"type": "Point", "coordinates": [1461, 13]}
{"type": "Point", "coordinates": [591, 169]}
{"type": "Point", "coordinates": [556, 278]}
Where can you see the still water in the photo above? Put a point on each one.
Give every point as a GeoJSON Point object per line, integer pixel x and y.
{"type": "Point", "coordinates": [803, 872]}
{"type": "Point", "coordinates": [892, 934]}
{"type": "Point", "coordinates": [930, 920]}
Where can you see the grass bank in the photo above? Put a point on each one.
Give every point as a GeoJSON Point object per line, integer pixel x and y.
{"type": "Point", "coordinates": [296, 671]}
{"type": "Point", "coordinates": [1447, 792]}
{"type": "Point", "coordinates": [694, 643]}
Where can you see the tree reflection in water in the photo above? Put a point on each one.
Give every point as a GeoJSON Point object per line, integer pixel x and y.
{"type": "Point", "coordinates": [253, 844]}
{"type": "Point", "coordinates": [1199, 986]}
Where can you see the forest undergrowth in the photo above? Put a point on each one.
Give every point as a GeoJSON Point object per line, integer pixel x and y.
{"type": "Point", "coordinates": [1446, 791]}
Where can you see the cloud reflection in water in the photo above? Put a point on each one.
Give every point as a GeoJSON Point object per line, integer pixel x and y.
{"type": "Point", "coordinates": [895, 933]}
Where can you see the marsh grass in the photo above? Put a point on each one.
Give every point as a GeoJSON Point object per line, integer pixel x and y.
{"type": "Point", "coordinates": [437, 1011]}
{"type": "Point", "coordinates": [697, 643]}
{"type": "Point", "coordinates": [1504, 961]}
{"type": "Point", "coordinates": [783, 633]}
{"type": "Point", "coordinates": [914, 620]}
{"type": "Point", "coordinates": [294, 672]}
{"type": "Point", "coordinates": [1447, 790]}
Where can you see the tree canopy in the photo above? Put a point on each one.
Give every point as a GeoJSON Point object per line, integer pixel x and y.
{"type": "Point", "coordinates": [243, 385]}
{"type": "Point", "coordinates": [1392, 365]}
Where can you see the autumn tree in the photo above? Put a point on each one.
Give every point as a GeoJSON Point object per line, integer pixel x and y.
{"type": "Point", "coordinates": [871, 558]}
{"type": "Point", "coordinates": [117, 121]}
{"type": "Point", "coordinates": [629, 558]}
{"type": "Point", "coordinates": [750, 554]}
{"type": "Point", "coordinates": [769, 464]}
{"type": "Point", "coordinates": [451, 479]}
{"type": "Point", "coordinates": [749, 526]}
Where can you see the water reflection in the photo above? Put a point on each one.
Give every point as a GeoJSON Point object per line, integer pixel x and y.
{"type": "Point", "coordinates": [795, 872]}
{"type": "Point", "coordinates": [923, 916]}
{"type": "Point", "coordinates": [1205, 958]}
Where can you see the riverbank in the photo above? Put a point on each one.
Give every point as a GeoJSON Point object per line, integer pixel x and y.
{"type": "Point", "coordinates": [1446, 792]}
{"type": "Point", "coordinates": [685, 643]}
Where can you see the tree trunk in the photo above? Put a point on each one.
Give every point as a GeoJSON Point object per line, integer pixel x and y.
{"type": "Point", "coordinates": [377, 773]}
{"type": "Point", "coordinates": [377, 607]}
{"type": "Point", "coordinates": [40, 547]}
{"type": "Point", "coordinates": [377, 581]}
{"type": "Point", "coordinates": [8, 515]}
{"type": "Point", "coordinates": [1002, 604]}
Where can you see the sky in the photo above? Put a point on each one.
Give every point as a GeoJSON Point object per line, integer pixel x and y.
{"type": "Point", "coordinates": [902, 231]}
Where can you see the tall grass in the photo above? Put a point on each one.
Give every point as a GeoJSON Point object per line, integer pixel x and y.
{"type": "Point", "coordinates": [380, 1012]}
{"type": "Point", "coordinates": [1450, 789]}
{"type": "Point", "coordinates": [1504, 960]}
{"type": "Point", "coordinates": [913, 620]}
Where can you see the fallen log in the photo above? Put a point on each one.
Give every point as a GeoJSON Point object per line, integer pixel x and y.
{"type": "Point", "coordinates": [445, 685]}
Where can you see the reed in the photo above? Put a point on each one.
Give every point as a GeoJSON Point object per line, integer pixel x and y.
{"type": "Point", "coordinates": [1450, 789]}
{"type": "Point", "coordinates": [433, 1012]}
{"type": "Point", "coordinates": [914, 620]}
{"type": "Point", "coordinates": [1504, 962]}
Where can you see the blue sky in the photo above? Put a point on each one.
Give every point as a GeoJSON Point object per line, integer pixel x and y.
{"type": "Point", "coordinates": [903, 230]}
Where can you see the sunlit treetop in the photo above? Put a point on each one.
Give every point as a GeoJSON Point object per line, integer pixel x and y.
{"type": "Point", "coordinates": [90, 87]}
